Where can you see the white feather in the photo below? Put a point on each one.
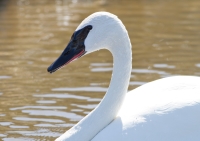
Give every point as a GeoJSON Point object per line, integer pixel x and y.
{"type": "Point", "coordinates": [163, 110]}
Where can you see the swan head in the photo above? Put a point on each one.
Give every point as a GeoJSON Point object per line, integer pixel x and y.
{"type": "Point", "coordinates": [95, 32]}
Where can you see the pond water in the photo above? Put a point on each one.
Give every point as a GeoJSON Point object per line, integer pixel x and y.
{"type": "Point", "coordinates": [36, 105]}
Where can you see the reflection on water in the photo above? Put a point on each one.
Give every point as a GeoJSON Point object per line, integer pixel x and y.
{"type": "Point", "coordinates": [35, 105]}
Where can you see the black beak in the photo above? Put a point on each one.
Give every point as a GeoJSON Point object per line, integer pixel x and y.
{"type": "Point", "coordinates": [65, 58]}
{"type": "Point", "coordinates": [75, 49]}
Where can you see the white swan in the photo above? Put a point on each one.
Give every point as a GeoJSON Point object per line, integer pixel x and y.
{"type": "Point", "coordinates": [163, 110]}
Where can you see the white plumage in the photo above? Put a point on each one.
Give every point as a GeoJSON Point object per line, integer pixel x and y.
{"type": "Point", "coordinates": [163, 110]}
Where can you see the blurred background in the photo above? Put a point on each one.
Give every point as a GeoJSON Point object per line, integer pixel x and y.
{"type": "Point", "coordinates": [36, 105]}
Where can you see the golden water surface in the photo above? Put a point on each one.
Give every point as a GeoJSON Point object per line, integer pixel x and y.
{"type": "Point", "coordinates": [36, 105]}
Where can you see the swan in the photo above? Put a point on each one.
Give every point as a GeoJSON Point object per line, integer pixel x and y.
{"type": "Point", "coordinates": [167, 109]}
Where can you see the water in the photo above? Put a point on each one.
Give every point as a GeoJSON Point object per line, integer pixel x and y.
{"type": "Point", "coordinates": [36, 105]}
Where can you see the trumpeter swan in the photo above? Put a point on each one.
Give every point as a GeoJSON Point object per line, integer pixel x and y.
{"type": "Point", "coordinates": [163, 110]}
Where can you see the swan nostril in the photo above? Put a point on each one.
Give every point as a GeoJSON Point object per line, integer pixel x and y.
{"type": "Point", "coordinates": [66, 53]}
{"type": "Point", "coordinates": [74, 41]}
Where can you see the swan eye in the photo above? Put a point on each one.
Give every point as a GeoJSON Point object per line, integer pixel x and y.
{"type": "Point", "coordinates": [89, 27]}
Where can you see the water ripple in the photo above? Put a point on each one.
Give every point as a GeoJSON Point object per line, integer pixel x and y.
{"type": "Point", "coordinates": [137, 83]}
{"type": "Point", "coordinates": [164, 66]}
{"type": "Point", "coordinates": [88, 106]}
{"type": "Point", "coordinates": [38, 119]}
{"type": "Point", "coordinates": [5, 77]}
{"type": "Point", "coordinates": [15, 126]}
{"type": "Point", "coordinates": [147, 71]}
{"type": "Point", "coordinates": [62, 96]}
{"type": "Point", "coordinates": [73, 116]}
{"type": "Point", "coordinates": [46, 101]}
{"type": "Point", "coordinates": [100, 69]}
{"type": "Point", "coordinates": [38, 107]}
{"type": "Point", "coordinates": [198, 65]}
{"type": "Point", "coordinates": [88, 89]}
{"type": "Point", "coordinates": [5, 123]}
{"type": "Point", "coordinates": [2, 135]}
{"type": "Point", "coordinates": [18, 139]}
{"type": "Point", "coordinates": [100, 64]}
{"type": "Point", "coordinates": [40, 132]}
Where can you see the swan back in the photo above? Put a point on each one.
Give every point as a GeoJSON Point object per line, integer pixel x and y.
{"type": "Point", "coordinates": [167, 109]}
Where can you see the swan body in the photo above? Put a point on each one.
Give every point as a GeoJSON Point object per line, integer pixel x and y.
{"type": "Point", "coordinates": [162, 110]}
{"type": "Point", "coordinates": [167, 109]}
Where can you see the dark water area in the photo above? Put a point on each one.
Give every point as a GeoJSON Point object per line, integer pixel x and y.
{"type": "Point", "coordinates": [36, 105]}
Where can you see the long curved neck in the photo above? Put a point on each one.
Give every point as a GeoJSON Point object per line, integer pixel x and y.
{"type": "Point", "coordinates": [108, 108]}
